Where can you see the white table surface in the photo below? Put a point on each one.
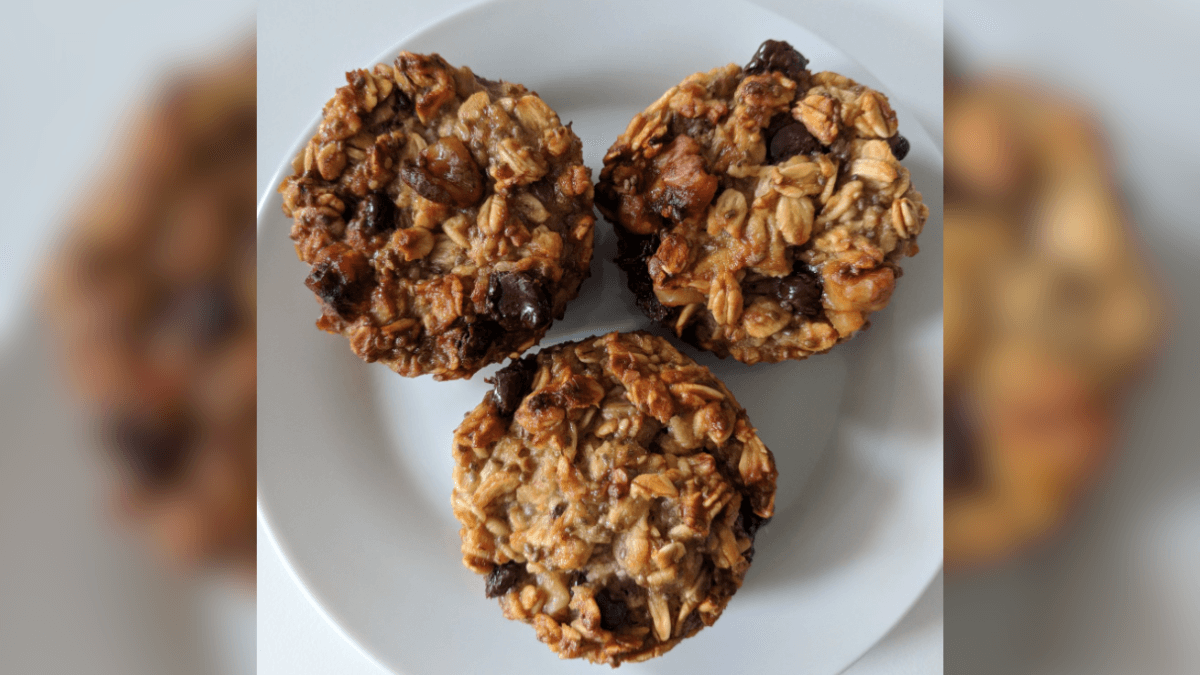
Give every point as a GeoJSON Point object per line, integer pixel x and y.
{"type": "Point", "coordinates": [304, 46]}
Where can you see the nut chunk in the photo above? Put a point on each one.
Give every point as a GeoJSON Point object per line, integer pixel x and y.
{"type": "Point", "coordinates": [610, 491]}
{"type": "Point", "coordinates": [761, 212]}
{"type": "Point", "coordinates": [447, 219]}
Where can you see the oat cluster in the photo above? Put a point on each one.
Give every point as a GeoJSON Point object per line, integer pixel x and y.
{"type": "Point", "coordinates": [762, 210]}
{"type": "Point", "coordinates": [447, 218]}
{"type": "Point", "coordinates": [610, 490]}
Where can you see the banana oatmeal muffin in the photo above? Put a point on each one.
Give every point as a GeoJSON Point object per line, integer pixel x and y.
{"type": "Point", "coordinates": [447, 218]}
{"type": "Point", "coordinates": [761, 212]}
{"type": "Point", "coordinates": [610, 490]}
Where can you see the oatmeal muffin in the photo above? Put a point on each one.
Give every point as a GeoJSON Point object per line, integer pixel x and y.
{"type": "Point", "coordinates": [761, 212]}
{"type": "Point", "coordinates": [1048, 309]}
{"type": "Point", "coordinates": [153, 301]}
{"type": "Point", "coordinates": [610, 490]}
{"type": "Point", "coordinates": [447, 218]}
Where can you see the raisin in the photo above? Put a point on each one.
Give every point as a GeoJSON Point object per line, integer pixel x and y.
{"type": "Point", "coordinates": [511, 383]}
{"type": "Point", "coordinates": [614, 613]}
{"type": "Point", "coordinates": [899, 146]}
{"type": "Point", "coordinates": [154, 447]}
{"type": "Point", "coordinates": [519, 301]}
{"type": "Point", "coordinates": [502, 578]}
{"type": "Point", "coordinates": [778, 56]}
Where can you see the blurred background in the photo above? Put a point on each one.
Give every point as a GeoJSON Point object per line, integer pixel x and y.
{"type": "Point", "coordinates": [127, 344]}
{"type": "Point", "coordinates": [1072, 311]}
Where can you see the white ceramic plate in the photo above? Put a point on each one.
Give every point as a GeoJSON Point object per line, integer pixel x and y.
{"type": "Point", "coordinates": [354, 461]}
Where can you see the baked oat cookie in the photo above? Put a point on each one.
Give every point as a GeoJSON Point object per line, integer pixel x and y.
{"type": "Point", "coordinates": [152, 299]}
{"type": "Point", "coordinates": [1049, 311]}
{"type": "Point", "coordinates": [611, 489]}
{"type": "Point", "coordinates": [447, 218]}
{"type": "Point", "coordinates": [762, 211]}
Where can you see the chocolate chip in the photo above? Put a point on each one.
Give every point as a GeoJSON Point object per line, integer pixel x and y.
{"type": "Point", "coordinates": [899, 145]}
{"type": "Point", "coordinates": [799, 292]}
{"type": "Point", "coordinates": [328, 279]}
{"type": "Point", "coordinates": [780, 57]}
{"type": "Point", "coordinates": [519, 301]}
{"type": "Point", "coordinates": [559, 509]}
{"type": "Point", "coordinates": [793, 139]}
{"type": "Point", "coordinates": [378, 213]}
{"type": "Point", "coordinates": [502, 578]}
{"type": "Point", "coordinates": [511, 383]}
{"type": "Point", "coordinates": [692, 623]}
{"type": "Point", "coordinates": [614, 613]}
{"type": "Point", "coordinates": [632, 253]}
{"type": "Point", "coordinates": [475, 339]}
{"type": "Point", "coordinates": [155, 447]}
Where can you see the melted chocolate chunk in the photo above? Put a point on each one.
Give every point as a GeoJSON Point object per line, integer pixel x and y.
{"type": "Point", "coordinates": [899, 145]}
{"type": "Point", "coordinates": [502, 579]}
{"type": "Point", "coordinates": [511, 383]}
{"type": "Point", "coordinates": [155, 448]}
{"type": "Point", "coordinates": [378, 213]}
{"type": "Point", "coordinates": [519, 301]}
{"type": "Point", "coordinates": [559, 509]}
{"type": "Point", "coordinates": [692, 623]}
{"type": "Point", "coordinates": [791, 140]}
{"type": "Point", "coordinates": [614, 613]}
{"type": "Point", "coordinates": [798, 293]}
{"type": "Point", "coordinates": [632, 253]}
{"type": "Point", "coordinates": [328, 280]}
{"type": "Point", "coordinates": [778, 56]}
{"type": "Point", "coordinates": [476, 339]}
{"type": "Point", "coordinates": [801, 292]}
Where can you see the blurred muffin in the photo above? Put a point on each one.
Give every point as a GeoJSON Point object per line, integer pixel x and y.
{"type": "Point", "coordinates": [1048, 310]}
{"type": "Point", "coordinates": [152, 296]}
